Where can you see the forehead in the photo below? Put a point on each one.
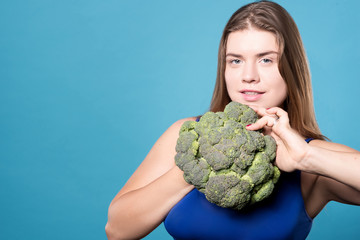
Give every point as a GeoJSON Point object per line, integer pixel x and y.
{"type": "Point", "coordinates": [251, 41]}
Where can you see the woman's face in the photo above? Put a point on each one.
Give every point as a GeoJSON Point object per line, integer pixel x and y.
{"type": "Point", "coordinates": [252, 69]}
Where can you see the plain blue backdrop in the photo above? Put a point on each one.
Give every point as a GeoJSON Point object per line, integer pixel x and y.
{"type": "Point", "coordinates": [86, 88]}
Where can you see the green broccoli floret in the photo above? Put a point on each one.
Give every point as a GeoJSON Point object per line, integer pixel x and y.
{"type": "Point", "coordinates": [232, 166]}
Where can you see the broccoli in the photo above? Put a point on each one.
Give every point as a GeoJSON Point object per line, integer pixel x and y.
{"type": "Point", "coordinates": [232, 166]}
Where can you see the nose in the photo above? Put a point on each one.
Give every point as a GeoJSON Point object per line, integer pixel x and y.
{"type": "Point", "coordinates": [250, 73]}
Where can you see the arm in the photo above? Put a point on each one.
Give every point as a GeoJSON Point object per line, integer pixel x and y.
{"type": "Point", "coordinates": [154, 188]}
{"type": "Point", "coordinates": [336, 165]}
{"type": "Point", "coordinates": [328, 182]}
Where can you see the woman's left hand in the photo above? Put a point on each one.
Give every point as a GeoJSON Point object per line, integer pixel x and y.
{"type": "Point", "coordinates": [291, 147]}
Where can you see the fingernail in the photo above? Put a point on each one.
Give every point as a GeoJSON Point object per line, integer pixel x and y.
{"type": "Point", "coordinates": [267, 108]}
{"type": "Point", "coordinates": [248, 125]}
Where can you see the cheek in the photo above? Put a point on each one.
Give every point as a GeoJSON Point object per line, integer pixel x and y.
{"type": "Point", "coordinates": [282, 90]}
{"type": "Point", "coordinates": [227, 75]}
{"type": "Point", "coordinates": [281, 85]}
{"type": "Point", "coordinates": [278, 86]}
{"type": "Point", "coordinates": [277, 79]}
{"type": "Point", "coordinates": [230, 78]}
{"type": "Point", "coordinates": [283, 94]}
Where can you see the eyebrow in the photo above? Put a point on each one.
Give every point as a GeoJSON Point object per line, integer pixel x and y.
{"type": "Point", "coordinates": [257, 55]}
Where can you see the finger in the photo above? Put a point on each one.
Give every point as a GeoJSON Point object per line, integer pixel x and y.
{"type": "Point", "coordinates": [262, 122]}
{"type": "Point", "coordinates": [259, 110]}
{"type": "Point", "coordinates": [280, 113]}
{"type": "Point", "coordinates": [264, 112]}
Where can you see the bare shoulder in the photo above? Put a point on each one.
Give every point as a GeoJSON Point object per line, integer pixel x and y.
{"type": "Point", "coordinates": [172, 133]}
{"type": "Point", "coordinates": [177, 125]}
{"type": "Point", "coordinates": [161, 156]}
{"type": "Point", "coordinates": [167, 141]}
{"type": "Point", "coordinates": [163, 151]}
{"type": "Point", "coordinates": [158, 161]}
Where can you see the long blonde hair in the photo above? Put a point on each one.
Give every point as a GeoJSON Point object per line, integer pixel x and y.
{"type": "Point", "coordinates": [293, 65]}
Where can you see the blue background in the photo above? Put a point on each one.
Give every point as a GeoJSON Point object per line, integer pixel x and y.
{"type": "Point", "coordinates": [86, 88]}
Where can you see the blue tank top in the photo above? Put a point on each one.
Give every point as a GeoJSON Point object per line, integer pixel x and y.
{"type": "Point", "coordinates": [281, 216]}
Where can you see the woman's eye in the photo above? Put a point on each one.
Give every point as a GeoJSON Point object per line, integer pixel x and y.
{"type": "Point", "coordinates": [235, 61]}
{"type": "Point", "coordinates": [266, 60]}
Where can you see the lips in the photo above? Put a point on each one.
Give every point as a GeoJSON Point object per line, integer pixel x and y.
{"type": "Point", "coordinates": [251, 95]}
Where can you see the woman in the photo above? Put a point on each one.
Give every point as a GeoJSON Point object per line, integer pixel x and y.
{"type": "Point", "coordinates": [262, 64]}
